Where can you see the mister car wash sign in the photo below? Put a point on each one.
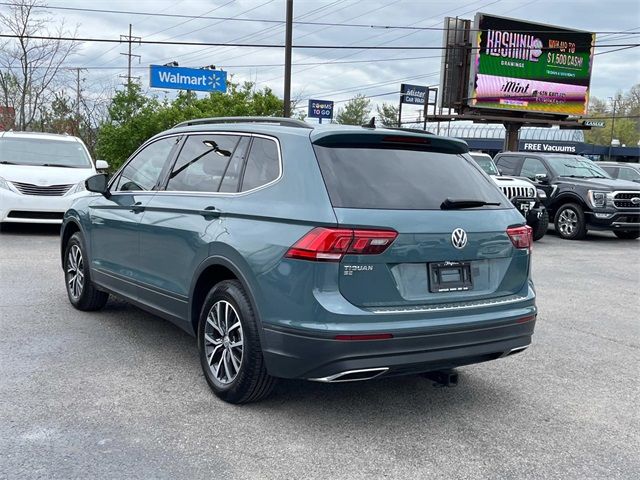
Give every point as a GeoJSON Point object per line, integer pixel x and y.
{"type": "Point", "coordinates": [179, 78]}
{"type": "Point", "coordinates": [414, 94]}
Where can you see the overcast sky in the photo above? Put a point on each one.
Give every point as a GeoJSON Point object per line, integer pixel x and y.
{"type": "Point", "coordinates": [371, 73]}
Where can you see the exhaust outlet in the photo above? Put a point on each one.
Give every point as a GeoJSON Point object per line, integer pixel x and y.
{"type": "Point", "coordinates": [513, 351]}
{"type": "Point", "coordinates": [353, 375]}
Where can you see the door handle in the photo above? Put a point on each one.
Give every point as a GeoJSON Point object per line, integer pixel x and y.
{"type": "Point", "coordinates": [209, 213]}
{"type": "Point", "coordinates": [137, 207]}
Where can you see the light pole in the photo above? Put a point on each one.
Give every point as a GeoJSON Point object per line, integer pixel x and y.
{"type": "Point", "coordinates": [287, 58]}
{"type": "Point", "coordinates": [613, 122]}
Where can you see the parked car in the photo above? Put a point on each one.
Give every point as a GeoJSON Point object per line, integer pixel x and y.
{"type": "Point", "coordinates": [330, 254]}
{"type": "Point", "coordinates": [580, 195]}
{"type": "Point", "coordinates": [622, 170]}
{"type": "Point", "coordinates": [522, 193]}
{"type": "Point", "coordinates": [41, 174]}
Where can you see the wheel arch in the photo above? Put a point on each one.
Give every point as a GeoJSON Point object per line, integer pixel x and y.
{"type": "Point", "coordinates": [563, 199]}
{"type": "Point", "coordinates": [68, 229]}
{"type": "Point", "coordinates": [213, 270]}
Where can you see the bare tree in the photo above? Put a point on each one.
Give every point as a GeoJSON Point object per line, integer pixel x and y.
{"type": "Point", "coordinates": [31, 69]}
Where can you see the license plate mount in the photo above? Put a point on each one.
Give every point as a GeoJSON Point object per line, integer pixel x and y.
{"type": "Point", "coordinates": [450, 277]}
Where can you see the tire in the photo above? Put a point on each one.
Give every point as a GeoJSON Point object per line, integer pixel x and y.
{"type": "Point", "coordinates": [570, 222]}
{"type": "Point", "coordinates": [81, 291]}
{"type": "Point", "coordinates": [229, 346]}
{"type": "Point", "coordinates": [541, 226]}
{"type": "Point", "coordinates": [627, 235]}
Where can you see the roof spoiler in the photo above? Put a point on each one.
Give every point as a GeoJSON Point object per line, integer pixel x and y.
{"type": "Point", "coordinates": [387, 138]}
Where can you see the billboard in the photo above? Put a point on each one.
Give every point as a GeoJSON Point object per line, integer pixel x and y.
{"type": "Point", "coordinates": [454, 70]}
{"type": "Point", "coordinates": [529, 67]}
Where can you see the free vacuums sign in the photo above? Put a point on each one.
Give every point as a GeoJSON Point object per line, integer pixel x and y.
{"type": "Point", "coordinates": [529, 67]}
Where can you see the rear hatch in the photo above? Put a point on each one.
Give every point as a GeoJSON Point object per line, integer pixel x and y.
{"type": "Point", "coordinates": [451, 221]}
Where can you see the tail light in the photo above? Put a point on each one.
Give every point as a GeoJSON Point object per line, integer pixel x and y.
{"type": "Point", "coordinates": [331, 244]}
{"type": "Point", "coordinates": [521, 237]}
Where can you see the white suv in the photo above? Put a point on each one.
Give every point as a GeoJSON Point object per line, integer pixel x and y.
{"type": "Point", "coordinates": [522, 193]}
{"type": "Point", "coordinates": [41, 174]}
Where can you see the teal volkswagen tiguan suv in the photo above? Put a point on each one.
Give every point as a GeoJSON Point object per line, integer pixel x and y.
{"type": "Point", "coordinates": [330, 254]}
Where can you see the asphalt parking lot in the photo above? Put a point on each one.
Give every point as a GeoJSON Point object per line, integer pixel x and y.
{"type": "Point", "coordinates": [120, 393]}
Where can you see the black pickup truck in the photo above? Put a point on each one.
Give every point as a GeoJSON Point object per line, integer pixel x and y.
{"type": "Point", "coordinates": [580, 196]}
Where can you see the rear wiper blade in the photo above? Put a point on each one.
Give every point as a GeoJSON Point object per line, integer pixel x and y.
{"type": "Point", "coordinates": [454, 204]}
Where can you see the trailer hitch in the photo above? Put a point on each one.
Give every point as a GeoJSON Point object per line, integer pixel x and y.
{"type": "Point", "coordinates": [442, 378]}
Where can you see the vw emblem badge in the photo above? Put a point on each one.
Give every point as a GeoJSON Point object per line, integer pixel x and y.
{"type": "Point", "coordinates": [459, 238]}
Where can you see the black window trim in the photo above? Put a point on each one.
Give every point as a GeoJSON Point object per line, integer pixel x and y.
{"type": "Point", "coordinates": [162, 186]}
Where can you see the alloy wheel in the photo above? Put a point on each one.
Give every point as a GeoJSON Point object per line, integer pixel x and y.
{"type": "Point", "coordinates": [568, 222]}
{"type": "Point", "coordinates": [75, 272]}
{"type": "Point", "coordinates": [223, 342]}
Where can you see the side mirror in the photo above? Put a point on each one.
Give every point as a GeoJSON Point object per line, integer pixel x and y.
{"type": "Point", "coordinates": [98, 184]}
{"type": "Point", "coordinates": [101, 165]}
{"type": "Point", "coordinates": [541, 177]}
{"type": "Point", "coordinates": [500, 171]}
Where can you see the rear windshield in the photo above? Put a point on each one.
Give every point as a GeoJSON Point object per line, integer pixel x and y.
{"type": "Point", "coordinates": [401, 179]}
{"type": "Point", "coordinates": [43, 152]}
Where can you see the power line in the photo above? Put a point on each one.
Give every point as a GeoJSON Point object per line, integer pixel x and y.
{"type": "Point", "coordinates": [191, 19]}
{"type": "Point", "coordinates": [280, 22]}
{"type": "Point", "coordinates": [397, 38]}
{"type": "Point", "coordinates": [615, 50]}
{"type": "Point", "coordinates": [271, 45]}
{"type": "Point", "coordinates": [255, 35]}
{"type": "Point", "coordinates": [261, 65]}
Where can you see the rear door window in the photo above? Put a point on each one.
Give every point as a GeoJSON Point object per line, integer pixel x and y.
{"type": "Point", "coordinates": [202, 163]}
{"type": "Point", "coordinates": [509, 164]}
{"type": "Point", "coordinates": [263, 164]}
{"type": "Point", "coordinates": [402, 179]}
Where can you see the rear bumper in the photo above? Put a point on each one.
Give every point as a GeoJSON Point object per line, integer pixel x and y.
{"type": "Point", "coordinates": [430, 343]}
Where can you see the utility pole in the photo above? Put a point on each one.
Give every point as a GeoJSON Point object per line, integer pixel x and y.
{"type": "Point", "coordinates": [613, 122]}
{"type": "Point", "coordinates": [130, 39]}
{"type": "Point", "coordinates": [287, 58]}
{"type": "Point", "coordinates": [78, 98]}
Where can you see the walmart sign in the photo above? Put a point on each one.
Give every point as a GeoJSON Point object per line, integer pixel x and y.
{"type": "Point", "coordinates": [179, 78]}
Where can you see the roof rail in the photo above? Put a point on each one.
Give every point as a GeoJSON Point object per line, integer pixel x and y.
{"type": "Point", "coordinates": [285, 122]}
